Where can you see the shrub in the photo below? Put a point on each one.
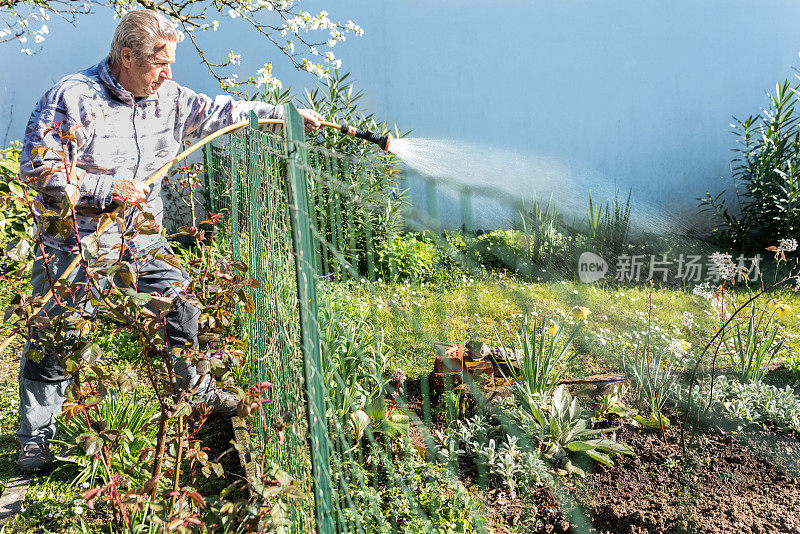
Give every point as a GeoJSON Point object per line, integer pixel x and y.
{"type": "Point", "coordinates": [373, 193]}
{"type": "Point", "coordinates": [407, 257]}
{"type": "Point", "coordinates": [16, 221]}
{"type": "Point", "coordinates": [766, 176]}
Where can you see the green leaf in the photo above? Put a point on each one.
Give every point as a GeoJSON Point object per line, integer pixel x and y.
{"type": "Point", "coordinates": [71, 365]}
{"type": "Point", "coordinates": [93, 400]}
{"type": "Point", "coordinates": [239, 265]}
{"type": "Point", "coordinates": [126, 382]}
{"type": "Point", "coordinates": [91, 352]}
{"type": "Point", "coordinates": [579, 446]}
{"type": "Point", "coordinates": [600, 457]}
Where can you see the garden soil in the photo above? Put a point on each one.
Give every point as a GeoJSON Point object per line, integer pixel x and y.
{"type": "Point", "coordinates": [734, 481]}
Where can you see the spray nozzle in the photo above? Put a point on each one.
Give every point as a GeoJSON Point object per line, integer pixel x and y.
{"type": "Point", "coordinates": [368, 135]}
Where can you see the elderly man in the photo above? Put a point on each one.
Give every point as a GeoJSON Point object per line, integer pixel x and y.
{"type": "Point", "coordinates": [130, 119]}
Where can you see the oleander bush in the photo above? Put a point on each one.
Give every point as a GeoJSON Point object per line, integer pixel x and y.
{"type": "Point", "coordinates": [762, 206]}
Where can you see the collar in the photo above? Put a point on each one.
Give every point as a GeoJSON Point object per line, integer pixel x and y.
{"type": "Point", "coordinates": [114, 86]}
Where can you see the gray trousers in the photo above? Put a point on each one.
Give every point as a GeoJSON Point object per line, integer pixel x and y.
{"type": "Point", "coordinates": [42, 384]}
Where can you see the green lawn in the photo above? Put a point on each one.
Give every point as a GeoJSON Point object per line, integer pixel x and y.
{"type": "Point", "coordinates": [490, 309]}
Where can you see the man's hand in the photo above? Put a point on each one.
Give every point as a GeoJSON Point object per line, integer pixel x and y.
{"type": "Point", "coordinates": [312, 119]}
{"type": "Point", "coordinates": [129, 192]}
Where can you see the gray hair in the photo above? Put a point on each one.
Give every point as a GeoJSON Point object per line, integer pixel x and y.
{"type": "Point", "coordinates": [142, 31]}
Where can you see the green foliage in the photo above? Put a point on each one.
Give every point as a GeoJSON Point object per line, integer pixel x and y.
{"type": "Point", "coordinates": [354, 371]}
{"type": "Point", "coordinates": [516, 250]}
{"type": "Point", "coordinates": [754, 402]}
{"type": "Point", "coordinates": [753, 350]}
{"type": "Point", "coordinates": [562, 430]}
{"type": "Point", "coordinates": [654, 379]}
{"type": "Point", "coordinates": [16, 222]}
{"type": "Point", "coordinates": [545, 357]}
{"type": "Point", "coordinates": [612, 403]}
{"type": "Point", "coordinates": [609, 226]}
{"type": "Point", "coordinates": [337, 99]}
{"type": "Point", "coordinates": [370, 174]}
{"type": "Point", "coordinates": [481, 443]}
{"type": "Point", "coordinates": [540, 236]}
{"type": "Point", "coordinates": [128, 419]}
{"type": "Point", "coordinates": [568, 434]}
{"type": "Point", "coordinates": [410, 256]}
{"type": "Point", "coordinates": [441, 505]}
{"type": "Point", "coordinates": [766, 176]}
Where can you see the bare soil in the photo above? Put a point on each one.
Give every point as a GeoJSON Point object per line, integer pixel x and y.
{"type": "Point", "coordinates": [731, 480]}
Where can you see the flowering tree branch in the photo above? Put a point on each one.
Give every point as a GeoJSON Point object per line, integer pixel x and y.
{"type": "Point", "coordinates": [305, 39]}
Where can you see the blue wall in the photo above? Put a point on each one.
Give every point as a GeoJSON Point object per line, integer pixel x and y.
{"type": "Point", "coordinates": [626, 94]}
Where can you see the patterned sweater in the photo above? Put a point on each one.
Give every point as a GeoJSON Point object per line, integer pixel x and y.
{"type": "Point", "coordinates": [119, 138]}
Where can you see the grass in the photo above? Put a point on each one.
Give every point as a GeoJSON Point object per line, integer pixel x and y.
{"type": "Point", "coordinates": [462, 309]}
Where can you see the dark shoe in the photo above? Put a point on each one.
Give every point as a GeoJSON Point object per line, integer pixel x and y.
{"type": "Point", "coordinates": [221, 402]}
{"type": "Point", "coordinates": [34, 458]}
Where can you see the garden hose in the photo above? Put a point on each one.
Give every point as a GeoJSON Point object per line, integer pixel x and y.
{"type": "Point", "coordinates": [367, 135]}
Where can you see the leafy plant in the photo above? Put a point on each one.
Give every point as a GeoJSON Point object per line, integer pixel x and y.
{"type": "Point", "coordinates": [544, 359]}
{"type": "Point", "coordinates": [354, 370]}
{"type": "Point", "coordinates": [609, 226]}
{"type": "Point", "coordinates": [540, 236]}
{"type": "Point", "coordinates": [567, 435]}
{"type": "Point", "coordinates": [16, 220]}
{"type": "Point", "coordinates": [753, 402]}
{"type": "Point", "coordinates": [441, 505]}
{"type": "Point", "coordinates": [129, 419]}
{"type": "Point", "coordinates": [360, 220]}
{"type": "Point", "coordinates": [766, 178]}
{"type": "Point", "coordinates": [410, 256]}
{"type": "Point", "coordinates": [501, 455]}
{"type": "Point", "coordinates": [752, 352]}
{"type": "Point", "coordinates": [654, 382]}
{"type": "Point", "coordinates": [612, 404]}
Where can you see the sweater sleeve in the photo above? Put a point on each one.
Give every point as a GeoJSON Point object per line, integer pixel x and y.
{"type": "Point", "coordinates": [205, 115]}
{"type": "Point", "coordinates": [45, 168]}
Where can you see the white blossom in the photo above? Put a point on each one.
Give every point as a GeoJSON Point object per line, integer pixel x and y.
{"type": "Point", "coordinates": [787, 245]}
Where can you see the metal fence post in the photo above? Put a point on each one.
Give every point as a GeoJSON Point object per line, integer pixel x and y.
{"type": "Point", "coordinates": [303, 247]}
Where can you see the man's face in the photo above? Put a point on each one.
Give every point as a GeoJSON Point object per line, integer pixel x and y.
{"type": "Point", "coordinates": [143, 78]}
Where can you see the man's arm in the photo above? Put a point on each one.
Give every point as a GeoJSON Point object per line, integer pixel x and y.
{"type": "Point", "coordinates": [206, 115]}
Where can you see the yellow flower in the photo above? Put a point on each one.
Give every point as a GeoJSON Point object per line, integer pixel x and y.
{"type": "Point", "coordinates": [551, 330]}
{"type": "Point", "coordinates": [773, 304]}
{"type": "Point", "coordinates": [685, 345]}
{"type": "Point", "coordinates": [783, 312]}
{"type": "Point", "coordinates": [580, 313]}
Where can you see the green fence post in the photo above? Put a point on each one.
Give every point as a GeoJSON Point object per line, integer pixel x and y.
{"type": "Point", "coordinates": [303, 246]}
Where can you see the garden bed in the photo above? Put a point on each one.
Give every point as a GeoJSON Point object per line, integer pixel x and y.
{"type": "Point", "coordinates": [730, 480]}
